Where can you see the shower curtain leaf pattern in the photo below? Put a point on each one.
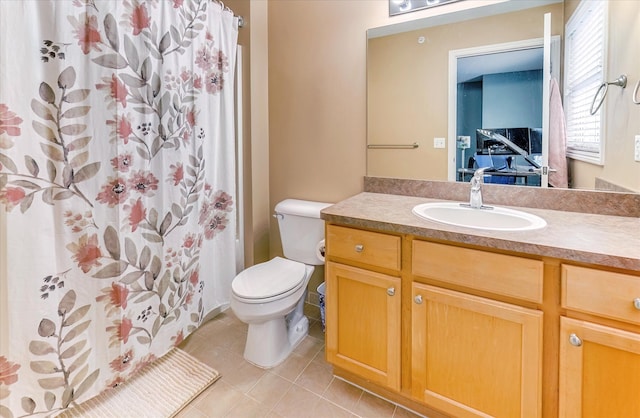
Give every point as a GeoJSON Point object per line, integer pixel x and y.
{"type": "Point", "coordinates": [56, 149]}
{"type": "Point", "coordinates": [73, 378]}
{"type": "Point", "coordinates": [135, 208]}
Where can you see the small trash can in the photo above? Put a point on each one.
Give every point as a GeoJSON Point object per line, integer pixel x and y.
{"type": "Point", "coordinates": [321, 293]}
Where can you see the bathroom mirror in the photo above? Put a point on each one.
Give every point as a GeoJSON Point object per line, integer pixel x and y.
{"type": "Point", "coordinates": [408, 80]}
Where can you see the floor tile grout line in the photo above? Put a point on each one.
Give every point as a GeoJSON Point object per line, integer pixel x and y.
{"type": "Point", "coordinates": [285, 394]}
{"type": "Point", "coordinates": [334, 403]}
{"type": "Point", "coordinates": [310, 358]}
{"type": "Point", "coordinates": [282, 396]}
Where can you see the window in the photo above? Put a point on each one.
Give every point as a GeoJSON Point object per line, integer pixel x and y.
{"type": "Point", "coordinates": [585, 61]}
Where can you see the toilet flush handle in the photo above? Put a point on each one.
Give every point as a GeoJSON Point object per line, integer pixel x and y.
{"type": "Point", "coordinates": [278, 216]}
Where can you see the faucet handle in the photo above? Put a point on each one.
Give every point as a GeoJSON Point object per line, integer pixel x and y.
{"type": "Point", "coordinates": [478, 178]}
{"type": "Point", "coordinates": [479, 173]}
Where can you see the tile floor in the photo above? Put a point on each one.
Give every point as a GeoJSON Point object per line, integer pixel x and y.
{"type": "Point", "coordinates": [302, 386]}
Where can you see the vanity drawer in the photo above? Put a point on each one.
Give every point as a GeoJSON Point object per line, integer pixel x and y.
{"type": "Point", "coordinates": [372, 248]}
{"type": "Point", "coordinates": [501, 274]}
{"type": "Point", "coordinates": [603, 293]}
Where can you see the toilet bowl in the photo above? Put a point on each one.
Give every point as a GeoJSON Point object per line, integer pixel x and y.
{"type": "Point", "coordinates": [274, 313]}
{"type": "Point", "coordinates": [270, 296]}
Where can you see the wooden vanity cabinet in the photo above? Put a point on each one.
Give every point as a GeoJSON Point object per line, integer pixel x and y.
{"type": "Point", "coordinates": [599, 362]}
{"type": "Point", "coordinates": [466, 337]}
{"type": "Point", "coordinates": [474, 356]}
{"type": "Point", "coordinates": [363, 305]}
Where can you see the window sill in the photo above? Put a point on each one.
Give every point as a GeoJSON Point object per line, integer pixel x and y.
{"type": "Point", "coordinates": [587, 157]}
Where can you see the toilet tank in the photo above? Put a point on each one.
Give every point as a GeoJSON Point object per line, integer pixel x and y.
{"type": "Point", "coordinates": [301, 229]}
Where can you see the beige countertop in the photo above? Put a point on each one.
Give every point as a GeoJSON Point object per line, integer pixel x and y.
{"type": "Point", "coordinates": [610, 241]}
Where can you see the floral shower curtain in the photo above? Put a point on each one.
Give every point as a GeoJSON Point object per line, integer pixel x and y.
{"type": "Point", "coordinates": [117, 176]}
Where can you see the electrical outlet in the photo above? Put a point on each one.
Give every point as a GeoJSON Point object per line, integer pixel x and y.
{"type": "Point", "coordinates": [637, 149]}
{"type": "Point", "coordinates": [438, 143]}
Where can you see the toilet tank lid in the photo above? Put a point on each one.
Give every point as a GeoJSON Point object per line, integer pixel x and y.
{"type": "Point", "coordinates": [301, 207]}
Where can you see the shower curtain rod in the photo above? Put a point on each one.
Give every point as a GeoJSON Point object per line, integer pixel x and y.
{"type": "Point", "coordinates": [240, 18]}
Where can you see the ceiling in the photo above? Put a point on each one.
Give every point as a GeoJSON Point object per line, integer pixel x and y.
{"type": "Point", "coordinates": [471, 68]}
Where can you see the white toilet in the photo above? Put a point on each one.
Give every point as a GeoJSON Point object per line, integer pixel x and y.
{"type": "Point", "coordinates": [270, 296]}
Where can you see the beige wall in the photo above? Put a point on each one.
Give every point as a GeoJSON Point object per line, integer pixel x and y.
{"type": "Point", "coordinates": [317, 115]}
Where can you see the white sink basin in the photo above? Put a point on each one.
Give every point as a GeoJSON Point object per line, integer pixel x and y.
{"type": "Point", "coordinates": [495, 219]}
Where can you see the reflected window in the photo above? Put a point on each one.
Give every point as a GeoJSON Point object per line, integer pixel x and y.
{"type": "Point", "coordinates": [585, 61]}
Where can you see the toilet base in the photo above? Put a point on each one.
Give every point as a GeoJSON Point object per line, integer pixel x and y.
{"type": "Point", "coordinates": [270, 343]}
{"type": "Point", "coordinates": [298, 332]}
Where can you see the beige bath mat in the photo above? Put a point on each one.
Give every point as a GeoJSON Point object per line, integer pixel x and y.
{"type": "Point", "coordinates": [160, 390]}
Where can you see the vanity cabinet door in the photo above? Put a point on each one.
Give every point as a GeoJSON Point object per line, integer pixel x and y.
{"type": "Point", "coordinates": [363, 323]}
{"type": "Point", "coordinates": [599, 371]}
{"type": "Point", "coordinates": [475, 357]}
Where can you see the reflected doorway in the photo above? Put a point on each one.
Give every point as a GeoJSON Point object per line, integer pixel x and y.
{"type": "Point", "coordinates": [495, 115]}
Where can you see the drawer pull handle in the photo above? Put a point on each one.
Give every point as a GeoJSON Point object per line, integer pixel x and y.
{"type": "Point", "coordinates": [359, 248]}
{"type": "Point", "coordinates": [418, 299]}
{"type": "Point", "coordinates": [391, 291]}
{"type": "Point", "coordinates": [575, 340]}
{"type": "Point", "coordinates": [636, 303]}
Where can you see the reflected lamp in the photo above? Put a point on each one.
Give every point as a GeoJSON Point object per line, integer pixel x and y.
{"type": "Point", "coordinates": [397, 7]}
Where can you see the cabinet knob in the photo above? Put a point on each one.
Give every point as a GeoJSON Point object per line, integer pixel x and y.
{"type": "Point", "coordinates": [391, 291]}
{"type": "Point", "coordinates": [418, 299]}
{"type": "Point", "coordinates": [636, 303]}
{"type": "Point", "coordinates": [359, 248]}
{"type": "Point", "coordinates": [575, 340]}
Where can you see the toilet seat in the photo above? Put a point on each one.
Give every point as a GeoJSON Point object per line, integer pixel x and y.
{"type": "Point", "coordinates": [273, 279]}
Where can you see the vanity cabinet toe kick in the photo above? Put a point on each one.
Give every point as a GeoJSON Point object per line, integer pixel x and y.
{"type": "Point", "coordinates": [448, 330]}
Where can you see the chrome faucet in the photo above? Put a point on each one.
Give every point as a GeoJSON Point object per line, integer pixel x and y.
{"type": "Point", "coordinates": [475, 198]}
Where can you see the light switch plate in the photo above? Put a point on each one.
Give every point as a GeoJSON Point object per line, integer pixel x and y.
{"type": "Point", "coordinates": [637, 149]}
{"type": "Point", "coordinates": [438, 143]}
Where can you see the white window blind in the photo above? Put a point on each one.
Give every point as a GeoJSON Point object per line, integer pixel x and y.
{"type": "Point", "coordinates": [585, 61]}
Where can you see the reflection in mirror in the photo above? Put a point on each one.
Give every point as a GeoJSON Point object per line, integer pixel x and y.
{"type": "Point", "coordinates": [407, 94]}
{"type": "Point", "coordinates": [397, 7]}
{"type": "Point", "coordinates": [498, 113]}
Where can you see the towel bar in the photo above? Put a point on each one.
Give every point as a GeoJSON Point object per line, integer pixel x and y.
{"type": "Point", "coordinates": [393, 146]}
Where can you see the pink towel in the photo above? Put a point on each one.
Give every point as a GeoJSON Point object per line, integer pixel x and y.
{"type": "Point", "coordinates": [557, 139]}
